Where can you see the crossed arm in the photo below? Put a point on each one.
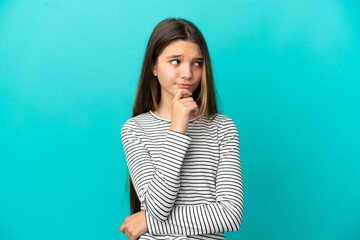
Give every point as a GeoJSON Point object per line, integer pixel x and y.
{"type": "Point", "coordinates": [157, 184]}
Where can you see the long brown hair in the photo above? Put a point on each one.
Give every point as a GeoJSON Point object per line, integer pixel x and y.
{"type": "Point", "coordinates": [148, 93]}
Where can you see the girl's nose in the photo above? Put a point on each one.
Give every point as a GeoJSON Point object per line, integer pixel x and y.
{"type": "Point", "coordinates": [186, 71]}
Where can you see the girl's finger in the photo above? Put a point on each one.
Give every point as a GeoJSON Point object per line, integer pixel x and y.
{"type": "Point", "coordinates": [179, 94]}
{"type": "Point", "coordinates": [186, 100]}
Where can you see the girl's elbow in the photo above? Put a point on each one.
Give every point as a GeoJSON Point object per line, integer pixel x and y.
{"type": "Point", "coordinates": [238, 221]}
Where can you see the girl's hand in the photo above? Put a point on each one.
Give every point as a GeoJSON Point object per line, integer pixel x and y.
{"type": "Point", "coordinates": [134, 226]}
{"type": "Point", "coordinates": [182, 107]}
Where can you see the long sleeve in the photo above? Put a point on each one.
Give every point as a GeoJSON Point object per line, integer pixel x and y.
{"type": "Point", "coordinates": [223, 216]}
{"type": "Point", "coordinates": [156, 186]}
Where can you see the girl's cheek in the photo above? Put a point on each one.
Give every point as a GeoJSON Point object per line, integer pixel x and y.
{"type": "Point", "coordinates": [198, 74]}
{"type": "Point", "coordinates": [172, 73]}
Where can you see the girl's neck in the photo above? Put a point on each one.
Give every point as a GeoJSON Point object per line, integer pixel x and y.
{"type": "Point", "coordinates": [163, 111]}
{"type": "Point", "coordinates": [164, 108]}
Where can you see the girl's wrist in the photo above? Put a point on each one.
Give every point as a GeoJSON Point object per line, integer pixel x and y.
{"type": "Point", "coordinates": [177, 130]}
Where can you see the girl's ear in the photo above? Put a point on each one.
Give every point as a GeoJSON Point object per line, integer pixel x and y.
{"type": "Point", "coordinates": [153, 69]}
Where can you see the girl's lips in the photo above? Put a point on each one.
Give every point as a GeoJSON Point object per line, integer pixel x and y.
{"type": "Point", "coordinates": [184, 85]}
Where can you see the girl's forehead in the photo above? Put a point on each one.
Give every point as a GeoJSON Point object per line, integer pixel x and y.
{"type": "Point", "coordinates": [181, 47]}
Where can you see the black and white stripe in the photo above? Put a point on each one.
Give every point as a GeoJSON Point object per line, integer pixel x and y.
{"type": "Point", "coordinates": [189, 184]}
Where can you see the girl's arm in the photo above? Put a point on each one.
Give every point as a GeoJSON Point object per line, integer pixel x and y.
{"type": "Point", "coordinates": [223, 216]}
{"type": "Point", "coordinates": [156, 187]}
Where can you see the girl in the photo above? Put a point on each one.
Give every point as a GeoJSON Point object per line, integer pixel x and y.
{"type": "Point", "coordinates": [183, 156]}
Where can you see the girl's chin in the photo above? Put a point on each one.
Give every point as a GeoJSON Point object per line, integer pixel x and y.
{"type": "Point", "coordinates": [184, 89]}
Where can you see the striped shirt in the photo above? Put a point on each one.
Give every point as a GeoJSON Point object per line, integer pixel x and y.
{"type": "Point", "coordinates": [190, 185]}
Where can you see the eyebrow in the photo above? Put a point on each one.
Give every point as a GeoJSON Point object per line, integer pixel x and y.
{"type": "Point", "coordinates": [175, 56]}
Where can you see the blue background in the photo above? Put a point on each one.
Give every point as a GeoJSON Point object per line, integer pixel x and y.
{"type": "Point", "coordinates": [287, 73]}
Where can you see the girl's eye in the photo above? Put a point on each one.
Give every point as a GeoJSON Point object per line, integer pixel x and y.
{"type": "Point", "coordinates": [199, 64]}
{"type": "Point", "coordinates": [174, 60]}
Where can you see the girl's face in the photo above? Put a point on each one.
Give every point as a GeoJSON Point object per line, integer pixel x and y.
{"type": "Point", "coordinates": [179, 66]}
